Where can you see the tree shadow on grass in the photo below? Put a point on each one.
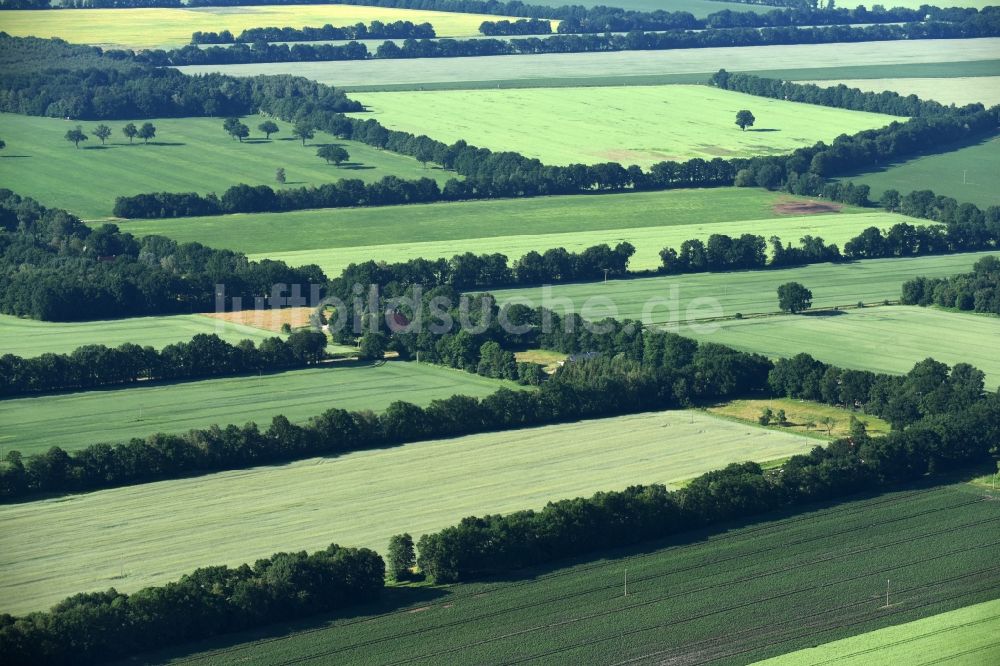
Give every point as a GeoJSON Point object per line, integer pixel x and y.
{"type": "Point", "coordinates": [823, 313]}
{"type": "Point", "coordinates": [258, 140]}
{"type": "Point", "coordinates": [97, 147]}
{"type": "Point", "coordinates": [356, 166]}
{"type": "Point", "coordinates": [763, 129]}
{"type": "Point", "coordinates": [154, 143]}
{"type": "Point", "coordinates": [9, 157]}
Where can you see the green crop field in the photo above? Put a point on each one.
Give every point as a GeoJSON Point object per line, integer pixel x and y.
{"type": "Point", "coordinates": [89, 417]}
{"type": "Point", "coordinates": [969, 174]}
{"type": "Point", "coordinates": [188, 155]}
{"type": "Point", "coordinates": [29, 337]}
{"type": "Point", "coordinates": [637, 125]}
{"type": "Point", "coordinates": [648, 241]}
{"type": "Point", "coordinates": [76, 543]}
{"type": "Point", "coordinates": [415, 72]}
{"type": "Point", "coordinates": [172, 27]}
{"type": "Point", "coordinates": [726, 598]}
{"type": "Point", "coordinates": [466, 220]}
{"type": "Point", "coordinates": [957, 90]}
{"type": "Point", "coordinates": [963, 637]}
{"type": "Point", "coordinates": [709, 295]}
{"type": "Point", "coordinates": [882, 339]}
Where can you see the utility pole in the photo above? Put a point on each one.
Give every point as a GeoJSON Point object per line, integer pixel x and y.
{"type": "Point", "coordinates": [605, 275]}
{"type": "Point", "coordinates": [626, 581]}
{"type": "Point", "coordinates": [887, 593]}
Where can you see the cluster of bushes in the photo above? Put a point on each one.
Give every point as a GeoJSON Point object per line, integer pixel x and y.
{"type": "Point", "coordinates": [650, 370]}
{"type": "Point", "coordinates": [493, 544]}
{"type": "Point", "coordinates": [930, 388]}
{"type": "Point", "coordinates": [56, 268]}
{"type": "Point", "coordinates": [97, 627]}
{"type": "Point", "coordinates": [518, 27]}
{"type": "Point", "coordinates": [205, 355]}
{"type": "Point", "coordinates": [374, 30]}
{"type": "Point", "coordinates": [978, 291]}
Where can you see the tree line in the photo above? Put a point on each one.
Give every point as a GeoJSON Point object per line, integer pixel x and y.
{"type": "Point", "coordinates": [96, 627]}
{"type": "Point", "coordinates": [978, 291]}
{"type": "Point", "coordinates": [482, 546]}
{"type": "Point", "coordinates": [986, 24]}
{"type": "Point", "coordinates": [374, 30]}
{"type": "Point", "coordinates": [205, 355]}
{"type": "Point", "coordinates": [56, 268]}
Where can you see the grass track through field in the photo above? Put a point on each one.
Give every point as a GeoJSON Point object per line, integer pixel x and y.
{"type": "Point", "coordinates": [636, 125]}
{"type": "Point", "coordinates": [188, 155]}
{"type": "Point", "coordinates": [375, 73]}
{"type": "Point", "coordinates": [816, 569]}
{"type": "Point", "coordinates": [360, 498]}
{"type": "Point", "coordinates": [112, 415]}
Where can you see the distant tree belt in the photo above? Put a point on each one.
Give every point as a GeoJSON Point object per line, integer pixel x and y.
{"type": "Point", "coordinates": [488, 545]}
{"type": "Point", "coordinates": [986, 24]}
{"type": "Point", "coordinates": [98, 627]}
{"type": "Point", "coordinates": [88, 4]}
{"type": "Point", "coordinates": [206, 355]}
{"type": "Point", "coordinates": [374, 30]}
{"type": "Point", "coordinates": [978, 291]}
{"type": "Point", "coordinates": [56, 268]}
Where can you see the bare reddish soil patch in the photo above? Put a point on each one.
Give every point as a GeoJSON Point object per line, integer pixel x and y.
{"type": "Point", "coordinates": [270, 320]}
{"type": "Point", "coordinates": [787, 207]}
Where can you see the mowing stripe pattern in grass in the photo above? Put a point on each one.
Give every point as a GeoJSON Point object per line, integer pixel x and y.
{"type": "Point", "coordinates": [76, 543]}
{"type": "Point", "coordinates": [89, 417]}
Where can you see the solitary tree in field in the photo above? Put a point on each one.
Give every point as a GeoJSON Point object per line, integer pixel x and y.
{"type": "Point", "coordinates": [401, 556]}
{"type": "Point", "coordinates": [146, 132]}
{"type": "Point", "coordinates": [828, 422]}
{"type": "Point", "coordinates": [76, 136]}
{"type": "Point", "coordinates": [303, 131]}
{"type": "Point", "coordinates": [130, 131]}
{"type": "Point", "coordinates": [765, 416]}
{"type": "Point", "coordinates": [3, 144]}
{"type": "Point", "coordinates": [279, 175]}
{"type": "Point", "coordinates": [744, 119]}
{"type": "Point", "coordinates": [240, 131]}
{"type": "Point", "coordinates": [102, 132]}
{"type": "Point", "coordinates": [268, 127]}
{"type": "Point", "coordinates": [334, 154]}
{"type": "Point", "coordinates": [794, 298]}
{"type": "Point", "coordinates": [229, 124]}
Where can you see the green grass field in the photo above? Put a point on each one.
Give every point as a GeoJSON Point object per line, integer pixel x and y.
{"type": "Point", "coordinates": [958, 90]}
{"type": "Point", "coordinates": [799, 414]}
{"type": "Point", "coordinates": [648, 241]}
{"type": "Point", "coordinates": [727, 598]}
{"type": "Point", "coordinates": [882, 339]}
{"type": "Point", "coordinates": [637, 125]}
{"type": "Point", "coordinates": [971, 173]}
{"type": "Point", "coordinates": [963, 637]}
{"type": "Point", "coordinates": [188, 155]}
{"type": "Point", "coordinates": [29, 337]}
{"type": "Point", "coordinates": [617, 66]}
{"type": "Point", "coordinates": [172, 27]}
{"type": "Point", "coordinates": [88, 417]}
{"type": "Point", "coordinates": [746, 292]}
{"type": "Point", "coordinates": [76, 543]}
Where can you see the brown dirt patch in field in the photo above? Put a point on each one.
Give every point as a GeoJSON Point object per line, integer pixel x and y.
{"type": "Point", "coordinates": [790, 207]}
{"type": "Point", "coordinates": [269, 320]}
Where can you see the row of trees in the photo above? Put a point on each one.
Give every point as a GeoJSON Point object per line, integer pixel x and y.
{"type": "Point", "coordinates": [146, 132]}
{"type": "Point", "coordinates": [374, 30]}
{"type": "Point", "coordinates": [205, 355]}
{"type": "Point", "coordinates": [518, 27]}
{"type": "Point", "coordinates": [492, 544]}
{"type": "Point", "coordinates": [978, 291]}
{"type": "Point", "coordinates": [98, 627]}
{"type": "Point", "coordinates": [984, 25]}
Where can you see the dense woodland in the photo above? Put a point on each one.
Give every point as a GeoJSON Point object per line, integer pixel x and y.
{"type": "Point", "coordinates": [97, 627]}
{"type": "Point", "coordinates": [978, 291]}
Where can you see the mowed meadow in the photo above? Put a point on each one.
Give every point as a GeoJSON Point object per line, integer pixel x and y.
{"type": "Point", "coordinates": [622, 66]}
{"type": "Point", "coordinates": [882, 339]}
{"type": "Point", "coordinates": [114, 415]}
{"type": "Point", "coordinates": [187, 155]}
{"type": "Point", "coordinates": [172, 27]}
{"type": "Point", "coordinates": [650, 221]}
{"type": "Point", "coordinates": [634, 125]}
{"type": "Point", "coordinates": [85, 542]}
